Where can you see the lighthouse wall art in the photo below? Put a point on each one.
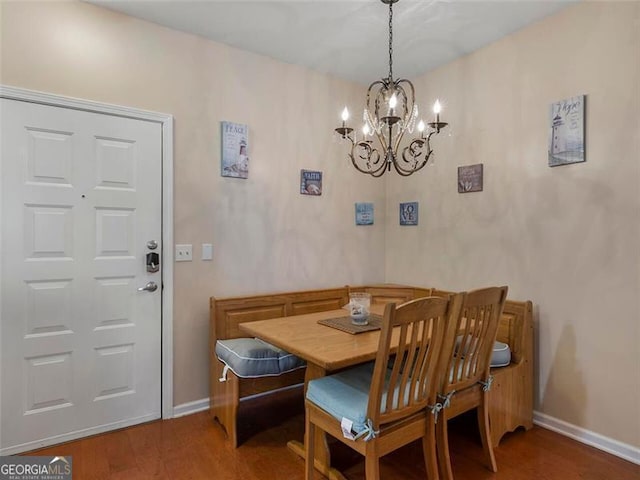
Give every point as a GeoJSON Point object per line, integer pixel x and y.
{"type": "Point", "coordinates": [566, 131]}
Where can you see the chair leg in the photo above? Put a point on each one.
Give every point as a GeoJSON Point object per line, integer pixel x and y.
{"type": "Point", "coordinates": [485, 432]}
{"type": "Point", "coordinates": [429, 450]}
{"type": "Point", "coordinates": [442, 445]}
{"type": "Point", "coordinates": [372, 461]}
{"type": "Point", "coordinates": [309, 447]}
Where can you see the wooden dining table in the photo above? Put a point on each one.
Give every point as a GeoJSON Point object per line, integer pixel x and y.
{"type": "Point", "coordinates": [325, 349]}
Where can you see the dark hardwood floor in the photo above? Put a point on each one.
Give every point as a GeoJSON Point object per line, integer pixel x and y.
{"type": "Point", "coordinates": [193, 447]}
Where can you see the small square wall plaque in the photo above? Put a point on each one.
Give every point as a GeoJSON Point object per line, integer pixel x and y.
{"type": "Point", "coordinates": [409, 213]}
{"type": "Point", "coordinates": [470, 178]}
{"type": "Point", "coordinates": [364, 213]}
{"type": "Point", "coordinates": [310, 182]}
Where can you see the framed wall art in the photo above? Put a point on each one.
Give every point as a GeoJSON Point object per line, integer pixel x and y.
{"type": "Point", "coordinates": [235, 146]}
{"type": "Point", "coordinates": [409, 213]}
{"type": "Point", "coordinates": [310, 182]}
{"type": "Point", "coordinates": [470, 178]}
{"type": "Point", "coordinates": [364, 213]}
{"type": "Point", "coordinates": [566, 131]}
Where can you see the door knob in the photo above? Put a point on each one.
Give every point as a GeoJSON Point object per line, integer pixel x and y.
{"type": "Point", "coordinates": [149, 287]}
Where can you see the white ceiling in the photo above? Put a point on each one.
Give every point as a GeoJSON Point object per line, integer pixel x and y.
{"type": "Point", "coordinates": [347, 38]}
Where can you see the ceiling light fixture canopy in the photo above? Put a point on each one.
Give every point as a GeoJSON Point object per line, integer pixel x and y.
{"type": "Point", "coordinates": [389, 113]}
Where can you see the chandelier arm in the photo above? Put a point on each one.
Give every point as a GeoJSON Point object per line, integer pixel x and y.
{"type": "Point", "coordinates": [419, 166]}
{"type": "Point", "coordinates": [396, 144]}
{"type": "Point", "coordinates": [374, 173]}
{"type": "Point", "coordinates": [351, 137]}
{"type": "Point", "coordinates": [379, 170]}
{"type": "Point", "coordinates": [374, 121]}
{"type": "Point", "coordinates": [409, 101]}
{"type": "Point", "coordinates": [382, 140]}
{"type": "Point", "coordinates": [412, 89]}
{"type": "Point", "coordinates": [373, 84]}
{"type": "Point", "coordinates": [414, 159]}
{"type": "Point", "coordinates": [356, 166]}
{"type": "Point", "coordinates": [378, 173]}
{"type": "Point", "coordinates": [371, 157]}
{"type": "Point", "coordinates": [371, 153]}
{"type": "Point", "coordinates": [406, 173]}
{"type": "Point", "coordinates": [412, 149]}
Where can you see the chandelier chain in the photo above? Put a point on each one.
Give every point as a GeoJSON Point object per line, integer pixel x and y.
{"type": "Point", "coordinates": [390, 42]}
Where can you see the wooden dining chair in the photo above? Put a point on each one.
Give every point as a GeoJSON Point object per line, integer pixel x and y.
{"type": "Point", "coordinates": [466, 380]}
{"type": "Point", "coordinates": [380, 406]}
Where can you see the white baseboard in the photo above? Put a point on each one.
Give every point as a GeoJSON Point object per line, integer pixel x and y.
{"type": "Point", "coordinates": [191, 407]}
{"type": "Point", "coordinates": [606, 444]}
{"type": "Point", "coordinates": [203, 404]}
{"type": "Point", "coordinates": [66, 437]}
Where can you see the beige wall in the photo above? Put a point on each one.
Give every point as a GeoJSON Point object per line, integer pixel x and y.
{"type": "Point", "coordinates": [266, 236]}
{"type": "Point", "coordinates": [567, 237]}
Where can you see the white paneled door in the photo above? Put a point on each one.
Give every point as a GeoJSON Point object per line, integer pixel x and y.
{"type": "Point", "coordinates": [81, 343]}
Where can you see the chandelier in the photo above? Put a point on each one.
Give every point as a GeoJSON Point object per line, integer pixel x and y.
{"type": "Point", "coordinates": [389, 113]}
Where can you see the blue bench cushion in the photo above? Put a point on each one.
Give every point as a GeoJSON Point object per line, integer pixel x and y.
{"type": "Point", "coordinates": [252, 358]}
{"type": "Point", "coordinates": [500, 357]}
{"type": "Point", "coordinates": [346, 394]}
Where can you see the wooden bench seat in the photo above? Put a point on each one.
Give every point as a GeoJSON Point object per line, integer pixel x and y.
{"type": "Point", "coordinates": [225, 317]}
{"type": "Point", "coordinates": [511, 394]}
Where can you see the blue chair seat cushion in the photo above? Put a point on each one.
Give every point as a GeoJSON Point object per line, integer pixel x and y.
{"type": "Point", "coordinates": [253, 358]}
{"type": "Point", "coordinates": [346, 394]}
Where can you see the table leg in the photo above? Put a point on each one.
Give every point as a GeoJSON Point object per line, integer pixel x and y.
{"type": "Point", "coordinates": [322, 461]}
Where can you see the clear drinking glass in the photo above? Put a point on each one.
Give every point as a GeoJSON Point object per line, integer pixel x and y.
{"type": "Point", "coordinates": [359, 305]}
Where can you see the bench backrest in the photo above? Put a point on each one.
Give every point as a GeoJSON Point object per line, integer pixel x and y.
{"type": "Point", "coordinates": [513, 327]}
{"type": "Point", "coordinates": [389, 293]}
{"type": "Point", "coordinates": [228, 313]}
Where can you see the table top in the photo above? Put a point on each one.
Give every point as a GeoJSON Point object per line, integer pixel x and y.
{"type": "Point", "coordinates": [324, 346]}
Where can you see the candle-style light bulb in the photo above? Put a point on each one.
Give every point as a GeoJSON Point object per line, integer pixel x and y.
{"type": "Point", "coordinates": [393, 101]}
{"type": "Point", "coordinates": [421, 127]}
{"type": "Point", "coordinates": [365, 130]}
{"type": "Point", "coordinates": [345, 114]}
{"type": "Point", "coordinates": [436, 109]}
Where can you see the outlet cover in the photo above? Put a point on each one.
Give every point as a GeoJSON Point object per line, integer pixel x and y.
{"type": "Point", "coordinates": [184, 253]}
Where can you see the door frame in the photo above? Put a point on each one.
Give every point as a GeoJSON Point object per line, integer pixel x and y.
{"type": "Point", "coordinates": [166, 122]}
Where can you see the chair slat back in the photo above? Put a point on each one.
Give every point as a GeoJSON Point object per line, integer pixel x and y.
{"type": "Point", "coordinates": [405, 380]}
{"type": "Point", "coordinates": [471, 341]}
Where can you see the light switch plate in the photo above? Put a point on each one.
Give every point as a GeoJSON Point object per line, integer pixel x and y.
{"type": "Point", "coordinates": [184, 253]}
{"type": "Point", "coordinates": [207, 251]}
